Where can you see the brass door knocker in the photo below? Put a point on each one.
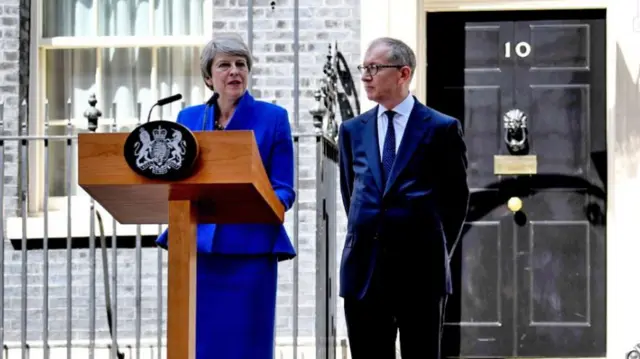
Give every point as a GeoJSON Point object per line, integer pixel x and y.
{"type": "Point", "coordinates": [515, 135]}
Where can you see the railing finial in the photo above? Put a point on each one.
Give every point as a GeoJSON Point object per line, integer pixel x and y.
{"type": "Point", "coordinates": [92, 113]}
{"type": "Point", "coordinates": [336, 93]}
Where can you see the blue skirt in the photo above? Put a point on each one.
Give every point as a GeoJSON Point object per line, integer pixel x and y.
{"type": "Point", "coordinates": [235, 306]}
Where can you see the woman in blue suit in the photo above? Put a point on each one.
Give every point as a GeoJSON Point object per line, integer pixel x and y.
{"type": "Point", "coordinates": [238, 263]}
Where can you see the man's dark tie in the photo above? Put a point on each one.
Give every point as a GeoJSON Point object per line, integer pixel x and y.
{"type": "Point", "coordinates": [389, 148]}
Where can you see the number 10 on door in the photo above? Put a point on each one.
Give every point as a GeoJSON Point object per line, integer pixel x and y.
{"type": "Point", "coordinates": [522, 49]}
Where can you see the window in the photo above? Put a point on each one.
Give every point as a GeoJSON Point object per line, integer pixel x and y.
{"type": "Point", "coordinates": [128, 53]}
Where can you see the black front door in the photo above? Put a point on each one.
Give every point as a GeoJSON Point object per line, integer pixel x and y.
{"type": "Point", "coordinates": [529, 271]}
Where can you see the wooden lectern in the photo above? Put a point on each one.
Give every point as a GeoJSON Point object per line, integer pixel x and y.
{"type": "Point", "coordinates": [229, 185]}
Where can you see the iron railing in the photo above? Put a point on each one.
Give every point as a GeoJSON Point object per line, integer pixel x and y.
{"type": "Point", "coordinates": [44, 276]}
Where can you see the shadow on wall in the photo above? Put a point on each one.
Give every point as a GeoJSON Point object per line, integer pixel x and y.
{"type": "Point", "coordinates": [627, 117]}
{"type": "Point", "coordinates": [623, 314]}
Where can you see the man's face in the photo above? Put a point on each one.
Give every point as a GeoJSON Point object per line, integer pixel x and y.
{"type": "Point", "coordinates": [386, 82]}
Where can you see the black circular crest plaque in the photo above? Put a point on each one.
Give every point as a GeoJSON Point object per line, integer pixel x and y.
{"type": "Point", "coordinates": [161, 150]}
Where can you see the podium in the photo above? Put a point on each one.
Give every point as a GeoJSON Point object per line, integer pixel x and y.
{"type": "Point", "coordinates": [227, 183]}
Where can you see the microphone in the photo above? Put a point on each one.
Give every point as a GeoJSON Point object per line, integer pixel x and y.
{"type": "Point", "coordinates": [210, 102]}
{"type": "Point", "coordinates": [170, 99]}
{"type": "Point", "coordinates": [164, 101]}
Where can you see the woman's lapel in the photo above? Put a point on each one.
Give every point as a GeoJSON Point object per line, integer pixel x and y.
{"type": "Point", "coordinates": [243, 117]}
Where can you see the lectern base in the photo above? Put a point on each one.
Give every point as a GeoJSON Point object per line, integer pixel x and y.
{"type": "Point", "coordinates": [235, 306]}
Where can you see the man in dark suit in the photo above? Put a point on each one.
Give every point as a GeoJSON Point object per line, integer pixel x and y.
{"type": "Point", "coordinates": [404, 187]}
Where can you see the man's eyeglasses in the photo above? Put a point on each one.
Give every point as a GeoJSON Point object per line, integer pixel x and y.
{"type": "Point", "coordinates": [373, 69]}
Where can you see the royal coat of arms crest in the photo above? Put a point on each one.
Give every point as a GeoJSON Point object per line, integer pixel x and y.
{"type": "Point", "coordinates": [161, 149]}
{"type": "Point", "coordinates": [159, 154]}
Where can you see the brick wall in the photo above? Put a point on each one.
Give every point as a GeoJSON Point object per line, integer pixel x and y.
{"type": "Point", "coordinates": [321, 23]}
{"type": "Point", "coordinates": [11, 89]}
{"type": "Point", "coordinates": [13, 80]}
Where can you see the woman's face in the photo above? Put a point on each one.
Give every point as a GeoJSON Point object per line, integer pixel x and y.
{"type": "Point", "coordinates": [229, 76]}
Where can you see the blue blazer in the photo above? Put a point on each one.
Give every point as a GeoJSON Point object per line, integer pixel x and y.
{"type": "Point", "coordinates": [416, 218]}
{"type": "Point", "coordinates": [270, 125]}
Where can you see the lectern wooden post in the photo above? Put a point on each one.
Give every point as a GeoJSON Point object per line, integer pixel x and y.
{"type": "Point", "coordinates": [228, 184]}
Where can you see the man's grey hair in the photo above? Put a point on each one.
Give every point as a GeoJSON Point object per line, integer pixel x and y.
{"type": "Point", "coordinates": [227, 44]}
{"type": "Point", "coordinates": [399, 52]}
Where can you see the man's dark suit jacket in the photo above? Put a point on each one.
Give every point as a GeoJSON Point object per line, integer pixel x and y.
{"type": "Point", "coordinates": [417, 216]}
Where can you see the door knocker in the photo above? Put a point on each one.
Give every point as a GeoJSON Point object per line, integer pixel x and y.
{"type": "Point", "coordinates": [515, 136]}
